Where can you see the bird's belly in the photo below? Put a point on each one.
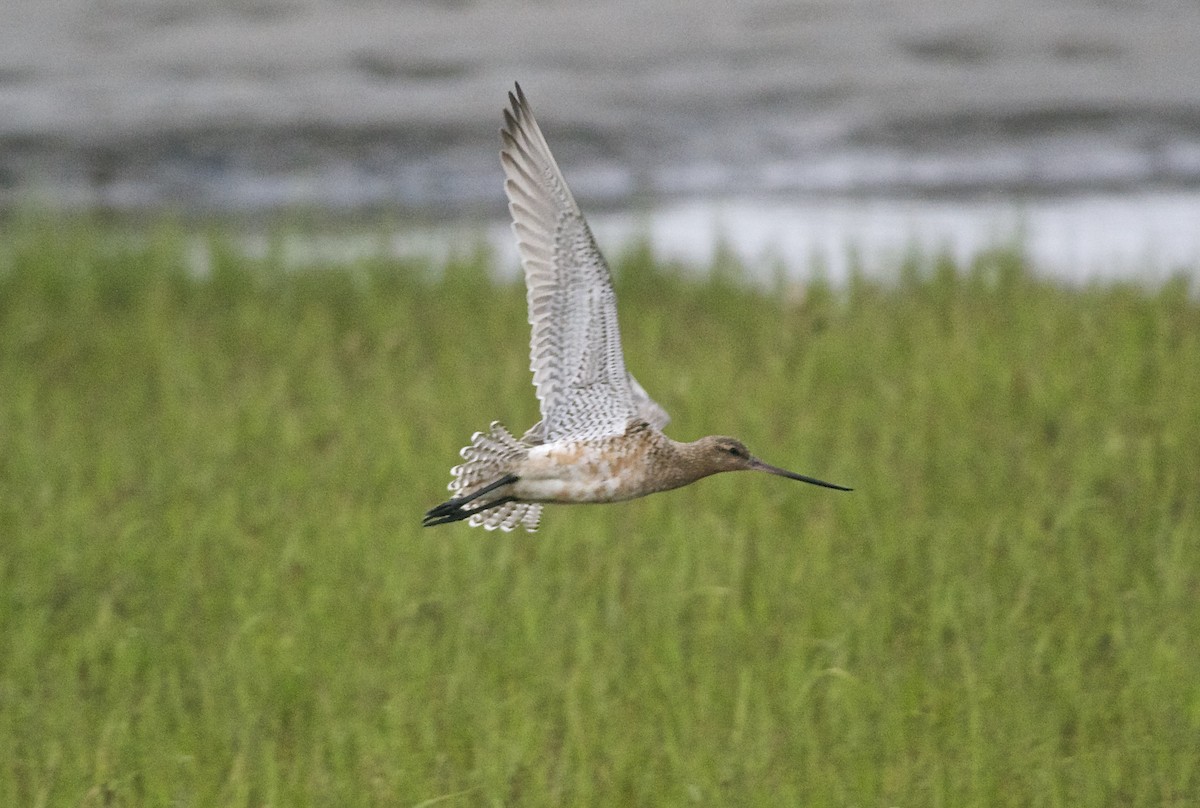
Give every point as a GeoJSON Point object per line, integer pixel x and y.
{"type": "Point", "coordinates": [578, 473]}
{"type": "Point", "coordinates": [569, 491]}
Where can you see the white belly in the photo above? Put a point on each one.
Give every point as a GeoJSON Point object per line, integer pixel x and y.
{"type": "Point", "coordinates": [567, 472]}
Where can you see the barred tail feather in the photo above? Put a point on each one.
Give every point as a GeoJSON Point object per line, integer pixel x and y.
{"type": "Point", "coordinates": [508, 516]}
{"type": "Point", "coordinates": [489, 456]}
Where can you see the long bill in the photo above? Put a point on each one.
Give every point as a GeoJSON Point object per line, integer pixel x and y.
{"type": "Point", "coordinates": [758, 465]}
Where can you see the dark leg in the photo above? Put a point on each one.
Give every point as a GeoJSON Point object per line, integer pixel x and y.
{"type": "Point", "coordinates": [457, 516]}
{"type": "Point", "coordinates": [452, 506]}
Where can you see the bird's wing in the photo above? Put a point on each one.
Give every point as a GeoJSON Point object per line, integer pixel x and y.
{"type": "Point", "coordinates": [575, 349]}
{"type": "Point", "coordinates": [645, 409]}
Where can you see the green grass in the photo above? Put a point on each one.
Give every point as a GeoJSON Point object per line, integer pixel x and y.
{"type": "Point", "coordinates": [214, 589]}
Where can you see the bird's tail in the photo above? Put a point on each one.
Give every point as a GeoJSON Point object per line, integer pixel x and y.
{"type": "Point", "coordinates": [488, 458]}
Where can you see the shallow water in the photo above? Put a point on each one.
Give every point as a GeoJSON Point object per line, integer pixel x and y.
{"type": "Point", "coordinates": [1151, 236]}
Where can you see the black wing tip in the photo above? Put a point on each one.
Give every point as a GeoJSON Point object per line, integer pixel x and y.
{"type": "Point", "coordinates": [510, 126]}
{"type": "Point", "coordinates": [518, 104]}
{"type": "Point", "coordinates": [518, 121]}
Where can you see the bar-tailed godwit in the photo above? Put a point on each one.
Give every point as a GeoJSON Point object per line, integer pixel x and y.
{"type": "Point", "coordinates": [600, 438]}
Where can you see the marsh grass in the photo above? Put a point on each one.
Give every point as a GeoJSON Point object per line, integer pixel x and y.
{"type": "Point", "coordinates": [214, 589]}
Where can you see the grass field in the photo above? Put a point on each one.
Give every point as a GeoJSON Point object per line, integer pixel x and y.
{"type": "Point", "coordinates": [214, 589]}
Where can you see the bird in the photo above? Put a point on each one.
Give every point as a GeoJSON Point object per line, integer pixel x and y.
{"type": "Point", "coordinates": [600, 438]}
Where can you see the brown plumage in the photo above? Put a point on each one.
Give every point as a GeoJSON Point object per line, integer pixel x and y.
{"type": "Point", "coordinates": [600, 438]}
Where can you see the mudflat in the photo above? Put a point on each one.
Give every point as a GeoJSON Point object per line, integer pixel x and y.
{"type": "Point", "coordinates": [263, 103]}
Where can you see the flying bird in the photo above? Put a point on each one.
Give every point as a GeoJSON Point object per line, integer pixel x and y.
{"type": "Point", "coordinates": [601, 436]}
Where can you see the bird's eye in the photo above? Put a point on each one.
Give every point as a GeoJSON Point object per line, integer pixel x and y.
{"type": "Point", "coordinates": [733, 450]}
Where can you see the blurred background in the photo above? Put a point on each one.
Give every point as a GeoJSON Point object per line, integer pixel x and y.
{"type": "Point", "coordinates": [784, 131]}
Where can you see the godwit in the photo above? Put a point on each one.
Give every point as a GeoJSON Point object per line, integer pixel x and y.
{"type": "Point", "coordinates": [600, 438]}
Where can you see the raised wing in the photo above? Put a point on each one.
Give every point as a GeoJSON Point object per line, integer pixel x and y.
{"type": "Point", "coordinates": [648, 409]}
{"type": "Point", "coordinates": [575, 349]}
{"type": "Point", "coordinates": [645, 409]}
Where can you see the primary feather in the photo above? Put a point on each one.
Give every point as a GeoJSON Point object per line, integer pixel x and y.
{"type": "Point", "coordinates": [575, 348]}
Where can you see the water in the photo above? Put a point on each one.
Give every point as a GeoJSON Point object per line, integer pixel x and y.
{"type": "Point", "coordinates": [792, 127]}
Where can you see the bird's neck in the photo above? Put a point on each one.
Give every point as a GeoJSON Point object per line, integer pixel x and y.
{"type": "Point", "coordinates": [675, 464]}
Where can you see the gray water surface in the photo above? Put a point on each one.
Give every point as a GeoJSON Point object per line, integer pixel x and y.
{"type": "Point", "coordinates": [255, 106]}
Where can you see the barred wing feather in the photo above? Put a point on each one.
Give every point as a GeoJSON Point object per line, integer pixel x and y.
{"type": "Point", "coordinates": [575, 349]}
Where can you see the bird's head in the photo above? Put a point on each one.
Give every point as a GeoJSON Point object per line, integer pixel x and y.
{"type": "Point", "coordinates": [721, 453]}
